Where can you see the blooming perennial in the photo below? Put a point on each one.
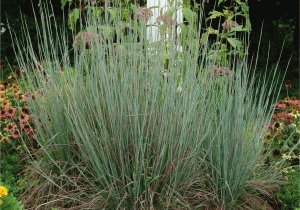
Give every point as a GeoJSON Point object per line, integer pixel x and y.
{"type": "Point", "coordinates": [86, 38]}
{"type": "Point", "coordinates": [143, 14]}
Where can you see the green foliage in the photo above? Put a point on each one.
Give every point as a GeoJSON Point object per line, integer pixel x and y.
{"type": "Point", "coordinates": [11, 202]}
{"type": "Point", "coordinates": [290, 193]}
{"type": "Point", "coordinates": [10, 169]}
{"type": "Point", "coordinates": [73, 17]}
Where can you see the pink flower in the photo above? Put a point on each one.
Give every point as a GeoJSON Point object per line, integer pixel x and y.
{"type": "Point", "coordinates": [9, 127]}
{"type": "Point", "coordinates": [24, 118]}
{"type": "Point", "coordinates": [220, 71]}
{"type": "Point", "coordinates": [280, 115]}
{"type": "Point", "coordinates": [27, 96]}
{"type": "Point", "coordinates": [143, 14]}
{"type": "Point", "coordinates": [294, 102]}
{"type": "Point", "coordinates": [165, 19]}
{"type": "Point", "coordinates": [274, 116]}
{"type": "Point", "coordinates": [87, 38]}
{"type": "Point", "coordinates": [15, 134]}
{"type": "Point", "coordinates": [3, 113]}
{"type": "Point", "coordinates": [10, 112]}
{"type": "Point", "coordinates": [281, 106]}
{"type": "Point", "coordinates": [24, 110]}
{"type": "Point", "coordinates": [26, 127]}
{"type": "Point", "coordinates": [287, 115]}
{"type": "Point", "coordinates": [228, 24]}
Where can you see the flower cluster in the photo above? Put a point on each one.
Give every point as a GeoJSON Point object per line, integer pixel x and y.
{"type": "Point", "coordinates": [86, 39]}
{"type": "Point", "coordinates": [284, 129]}
{"type": "Point", "coordinates": [165, 18]}
{"type": "Point", "coordinates": [228, 24]}
{"type": "Point", "coordinates": [15, 121]}
{"type": "Point", "coordinates": [219, 71]}
{"type": "Point", "coordinates": [143, 14]}
{"type": "Point", "coordinates": [12, 119]}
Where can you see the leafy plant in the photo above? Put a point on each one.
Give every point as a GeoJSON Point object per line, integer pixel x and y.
{"type": "Point", "coordinates": [119, 135]}
{"type": "Point", "coordinates": [290, 193]}
{"type": "Point", "coordinates": [8, 200]}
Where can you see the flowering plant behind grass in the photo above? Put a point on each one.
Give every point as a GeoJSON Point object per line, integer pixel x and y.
{"type": "Point", "coordinates": [15, 117]}
{"type": "Point", "coordinates": [118, 134]}
{"type": "Point", "coordinates": [284, 132]}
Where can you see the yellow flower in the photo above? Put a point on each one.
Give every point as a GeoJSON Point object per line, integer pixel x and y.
{"type": "Point", "coordinates": [3, 191]}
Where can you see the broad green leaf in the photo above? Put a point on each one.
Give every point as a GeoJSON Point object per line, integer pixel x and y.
{"type": "Point", "coordinates": [73, 17]}
{"type": "Point", "coordinates": [245, 7]}
{"type": "Point", "coordinates": [125, 13]}
{"type": "Point", "coordinates": [238, 1]}
{"type": "Point", "coordinates": [215, 14]}
{"type": "Point", "coordinates": [235, 42]}
{"type": "Point", "coordinates": [189, 15]}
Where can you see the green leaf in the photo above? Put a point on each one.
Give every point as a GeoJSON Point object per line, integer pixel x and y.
{"type": "Point", "coordinates": [235, 42]}
{"type": "Point", "coordinates": [211, 31]}
{"type": "Point", "coordinates": [73, 17]}
{"type": "Point", "coordinates": [245, 7]}
{"type": "Point", "coordinates": [63, 2]}
{"type": "Point", "coordinates": [189, 15]}
{"type": "Point", "coordinates": [171, 11]}
{"type": "Point", "coordinates": [220, 1]}
{"type": "Point", "coordinates": [112, 14]}
{"type": "Point", "coordinates": [215, 14]}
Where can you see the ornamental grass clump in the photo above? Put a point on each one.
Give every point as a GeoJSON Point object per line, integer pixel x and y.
{"type": "Point", "coordinates": [117, 134]}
